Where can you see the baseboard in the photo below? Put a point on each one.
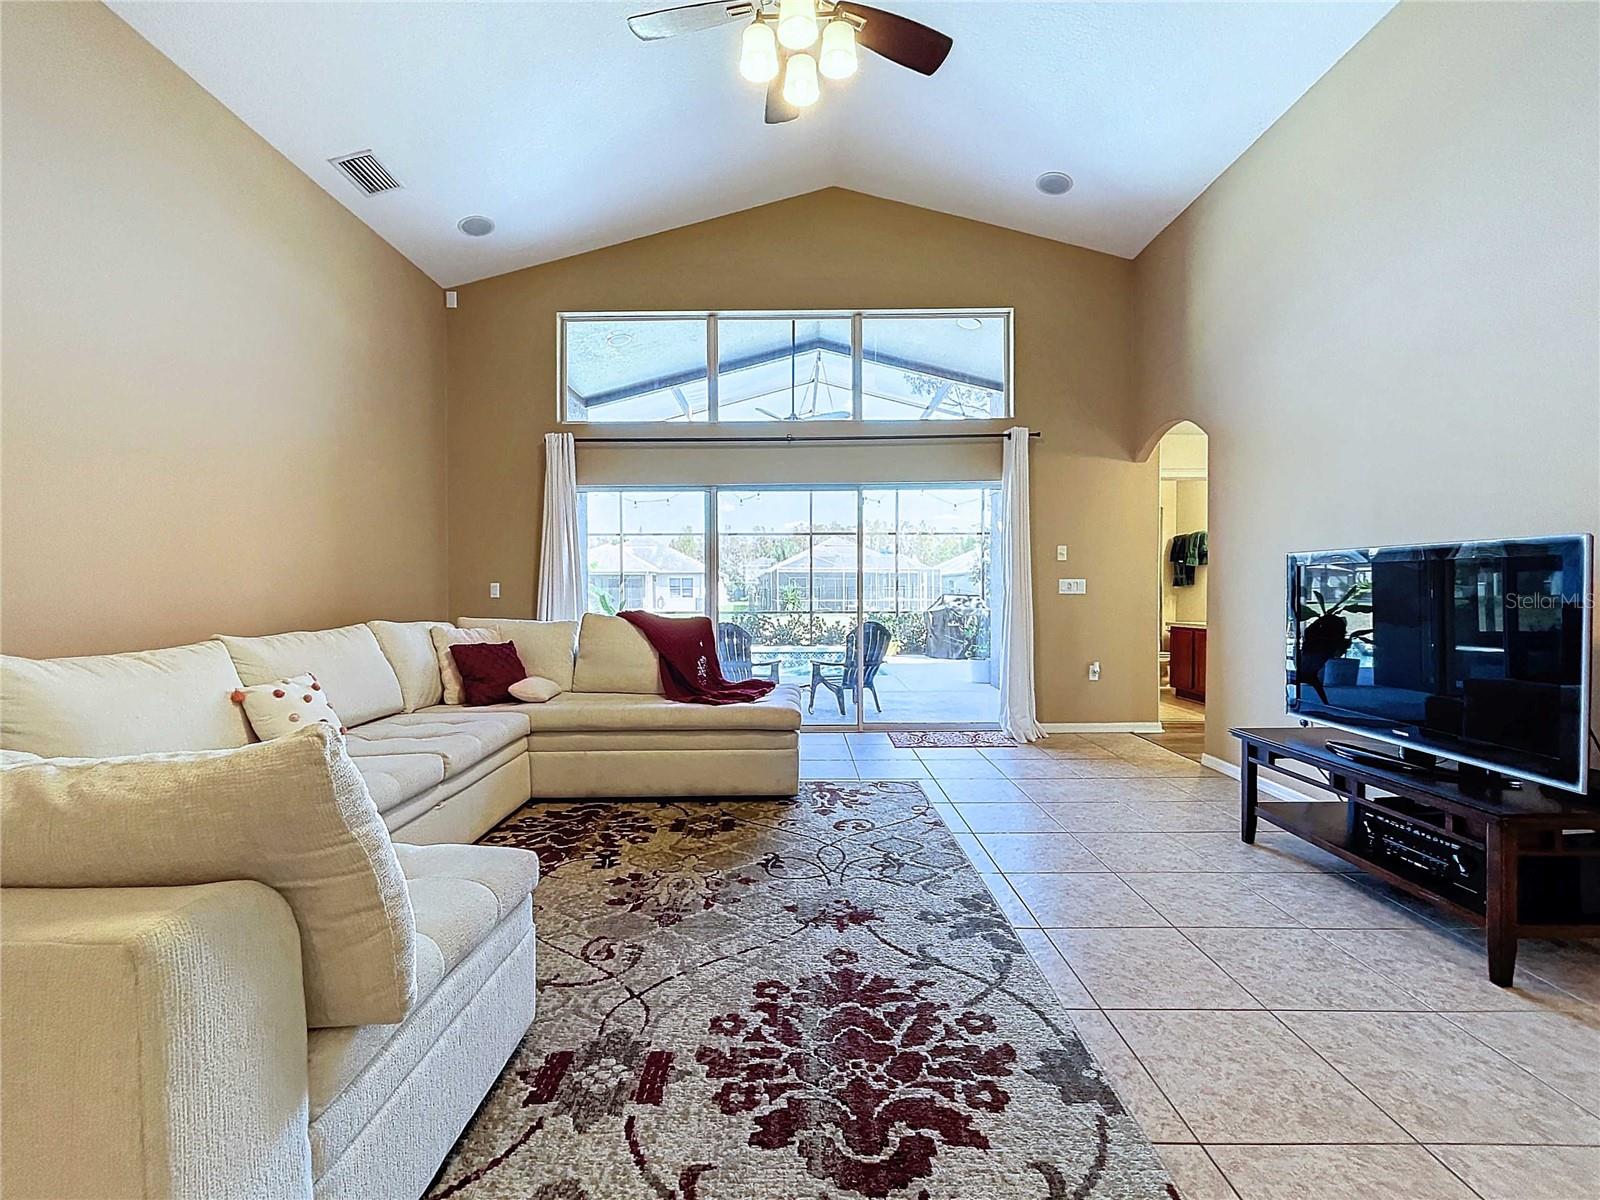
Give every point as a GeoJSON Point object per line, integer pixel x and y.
{"type": "Point", "coordinates": [1105, 727]}
{"type": "Point", "coordinates": [1270, 787]}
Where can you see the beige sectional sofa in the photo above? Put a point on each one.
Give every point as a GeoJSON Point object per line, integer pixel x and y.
{"type": "Point", "coordinates": [224, 979]}
{"type": "Point", "coordinates": [437, 773]}
{"type": "Point", "coordinates": [160, 1027]}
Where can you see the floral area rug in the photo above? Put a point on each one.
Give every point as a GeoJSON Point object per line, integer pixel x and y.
{"type": "Point", "coordinates": [812, 998]}
{"type": "Point", "coordinates": [941, 739]}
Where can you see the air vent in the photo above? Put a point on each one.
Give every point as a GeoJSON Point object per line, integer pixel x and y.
{"type": "Point", "coordinates": [366, 172]}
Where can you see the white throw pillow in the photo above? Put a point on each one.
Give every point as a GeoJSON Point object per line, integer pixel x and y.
{"type": "Point", "coordinates": [449, 674]}
{"type": "Point", "coordinates": [293, 814]}
{"type": "Point", "coordinates": [286, 706]}
{"type": "Point", "coordinates": [535, 689]}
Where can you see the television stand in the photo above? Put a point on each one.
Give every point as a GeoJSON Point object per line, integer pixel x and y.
{"type": "Point", "coordinates": [1519, 861]}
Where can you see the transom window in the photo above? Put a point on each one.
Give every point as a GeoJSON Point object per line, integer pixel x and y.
{"type": "Point", "coordinates": [773, 366]}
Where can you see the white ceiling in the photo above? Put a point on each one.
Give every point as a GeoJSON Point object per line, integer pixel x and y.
{"type": "Point", "coordinates": [551, 118]}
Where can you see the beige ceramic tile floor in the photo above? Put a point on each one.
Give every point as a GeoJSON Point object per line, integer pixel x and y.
{"type": "Point", "coordinates": [1283, 1029]}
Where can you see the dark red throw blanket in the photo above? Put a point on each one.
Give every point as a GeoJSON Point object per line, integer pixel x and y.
{"type": "Point", "coordinates": [690, 672]}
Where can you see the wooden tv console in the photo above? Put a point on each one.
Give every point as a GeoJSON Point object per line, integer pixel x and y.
{"type": "Point", "coordinates": [1519, 861]}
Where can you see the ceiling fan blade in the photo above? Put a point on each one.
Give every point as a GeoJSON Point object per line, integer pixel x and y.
{"type": "Point", "coordinates": [900, 39]}
{"type": "Point", "coordinates": [688, 18]}
{"type": "Point", "coordinates": [779, 110]}
{"type": "Point", "coordinates": [770, 415]}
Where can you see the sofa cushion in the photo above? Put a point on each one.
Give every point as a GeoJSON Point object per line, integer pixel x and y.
{"type": "Point", "coordinates": [545, 647]}
{"type": "Point", "coordinates": [108, 705]}
{"type": "Point", "coordinates": [463, 897]}
{"type": "Point", "coordinates": [360, 683]}
{"type": "Point", "coordinates": [395, 778]}
{"type": "Point", "coordinates": [613, 656]}
{"type": "Point", "coordinates": [293, 814]}
{"type": "Point", "coordinates": [409, 648]}
{"type": "Point", "coordinates": [457, 738]}
{"type": "Point", "coordinates": [581, 712]}
{"type": "Point", "coordinates": [460, 893]}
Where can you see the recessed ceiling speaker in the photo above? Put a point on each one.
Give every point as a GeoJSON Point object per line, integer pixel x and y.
{"type": "Point", "coordinates": [475, 226]}
{"type": "Point", "coordinates": [1054, 183]}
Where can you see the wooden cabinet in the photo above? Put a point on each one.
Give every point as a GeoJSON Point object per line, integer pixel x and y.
{"type": "Point", "coordinates": [1187, 644]}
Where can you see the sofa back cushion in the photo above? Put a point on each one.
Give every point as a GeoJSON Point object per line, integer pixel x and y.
{"type": "Point", "coordinates": [293, 814]}
{"type": "Point", "coordinates": [545, 647]}
{"type": "Point", "coordinates": [409, 648]}
{"type": "Point", "coordinates": [146, 702]}
{"type": "Point", "coordinates": [348, 662]}
{"type": "Point", "coordinates": [613, 656]}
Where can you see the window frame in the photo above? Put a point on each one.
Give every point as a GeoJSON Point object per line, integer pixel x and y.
{"type": "Point", "coordinates": [856, 317]}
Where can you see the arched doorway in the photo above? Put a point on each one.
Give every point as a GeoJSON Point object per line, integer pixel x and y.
{"type": "Point", "coordinates": [1182, 566]}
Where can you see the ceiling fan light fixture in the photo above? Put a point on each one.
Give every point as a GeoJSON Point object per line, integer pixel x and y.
{"type": "Point", "coordinates": [797, 24]}
{"type": "Point", "coordinates": [838, 59]}
{"type": "Point", "coordinates": [758, 54]}
{"type": "Point", "coordinates": [800, 81]}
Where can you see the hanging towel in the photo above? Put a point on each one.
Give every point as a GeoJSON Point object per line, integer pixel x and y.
{"type": "Point", "coordinates": [1189, 551]}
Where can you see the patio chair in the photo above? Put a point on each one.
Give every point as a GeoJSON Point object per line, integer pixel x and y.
{"type": "Point", "coordinates": [733, 652]}
{"type": "Point", "coordinates": [839, 676]}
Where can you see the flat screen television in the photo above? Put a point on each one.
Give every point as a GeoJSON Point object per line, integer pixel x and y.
{"type": "Point", "coordinates": [1473, 651]}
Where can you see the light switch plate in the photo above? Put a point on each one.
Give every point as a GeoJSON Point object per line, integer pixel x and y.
{"type": "Point", "coordinates": [1073, 587]}
{"type": "Point", "coordinates": [494, 591]}
{"type": "Point", "coordinates": [1061, 554]}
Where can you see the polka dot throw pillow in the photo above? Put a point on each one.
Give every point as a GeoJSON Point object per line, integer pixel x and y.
{"type": "Point", "coordinates": [286, 706]}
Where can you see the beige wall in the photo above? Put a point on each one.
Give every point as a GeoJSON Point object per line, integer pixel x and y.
{"type": "Point", "coordinates": [224, 396]}
{"type": "Point", "coordinates": [1385, 315]}
{"type": "Point", "coordinates": [838, 249]}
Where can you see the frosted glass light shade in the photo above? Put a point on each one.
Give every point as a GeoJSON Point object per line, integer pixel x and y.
{"type": "Point", "coordinates": [800, 81]}
{"type": "Point", "coordinates": [758, 54]}
{"type": "Point", "coordinates": [797, 23]}
{"type": "Point", "coordinates": [838, 58]}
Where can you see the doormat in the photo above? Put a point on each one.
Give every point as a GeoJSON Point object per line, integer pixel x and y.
{"type": "Point", "coordinates": [947, 739]}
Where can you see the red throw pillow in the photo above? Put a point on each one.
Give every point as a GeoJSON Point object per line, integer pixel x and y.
{"type": "Point", "coordinates": [488, 669]}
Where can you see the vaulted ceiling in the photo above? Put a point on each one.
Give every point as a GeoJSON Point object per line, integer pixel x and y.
{"type": "Point", "coordinates": [554, 121]}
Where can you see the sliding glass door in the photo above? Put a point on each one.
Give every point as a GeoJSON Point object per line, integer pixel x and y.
{"type": "Point", "coordinates": [875, 601]}
{"type": "Point", "coordinates": [926, 571]}
{"type": "Point", "coordinates": [787, 577]}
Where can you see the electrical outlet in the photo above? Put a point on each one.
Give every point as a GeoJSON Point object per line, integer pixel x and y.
{"type": "Point", "coordinates": [1061, 554]}
{"type": "Point", "coordinates": [1072, 587]}
{"type": "Point", "coordinates": [1094, 672]}
{"type": "Point", "coordinates": [494, 591]}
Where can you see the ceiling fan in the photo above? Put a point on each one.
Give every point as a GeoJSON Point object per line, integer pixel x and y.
{"type": "Point", "coordinates": [780, 46]}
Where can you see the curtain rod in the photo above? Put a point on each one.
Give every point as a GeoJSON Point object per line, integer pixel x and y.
{"type": "Point", "coordinates": [792, 439]}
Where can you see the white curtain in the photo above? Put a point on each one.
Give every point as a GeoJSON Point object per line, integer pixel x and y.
{"type": "Point", "coordinates": [560, 550]}
{"type": "Point", "coordinates": [1013, 613]}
